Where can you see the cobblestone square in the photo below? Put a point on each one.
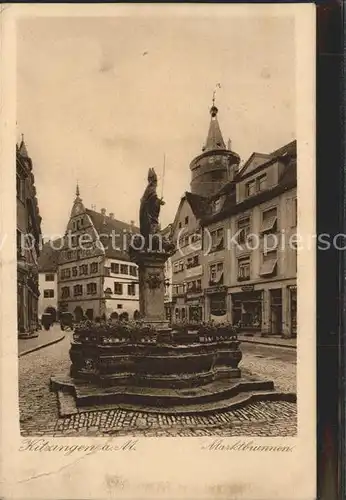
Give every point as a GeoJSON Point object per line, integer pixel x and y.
{"type": "Point", "coordinates": [39, 407]}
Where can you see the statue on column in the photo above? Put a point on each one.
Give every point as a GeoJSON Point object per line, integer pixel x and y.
{"type": "Point", "coordinates": [150, 207]}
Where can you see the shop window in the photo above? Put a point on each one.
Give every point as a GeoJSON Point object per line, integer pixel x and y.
{"type": "Point", "coordinates": [244, 269]}
{"type": "Point", "coordinates": [216, 274]}
{"type": "Point", "coordinates": [49, 277]}
{"type": "Point", "coordinates": [118, 288]}
{"type": "Point", "coordinates": [243, 229]}
{"type": "Point", "coordinates": [269, 263]}
{"type": "Point", "coordinates": [115, 268]}
{"type": "Point", "coordinates": [218, 304]}
{"type": "Point", "coordinates": [78, 290]}
{"type": "Point", "coordinates": [124, 269]}
{"type": "Point", "coordinates": [269, 221]}
{"type": "Point", "coordinates": [91, 288]}
{"type": "Point", "coordinates": [131, 289]}
{"type": "Point", "coordinates": [48, 293]}
{"type": "Point", "coordinates": [217, 239]}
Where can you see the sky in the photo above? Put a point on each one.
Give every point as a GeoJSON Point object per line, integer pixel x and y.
{"type": "Point", "coordinates": [101, 100]}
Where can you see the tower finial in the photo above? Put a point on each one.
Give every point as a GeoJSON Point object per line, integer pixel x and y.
{"type": "Point", "coordinates": [77, 190]}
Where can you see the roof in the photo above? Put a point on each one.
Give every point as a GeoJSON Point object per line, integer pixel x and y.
{"type": "Point", "coordinates": [199, 204]}
{"type": "Point", "coordinates": [106, 227]}
{"type": "Point", "coordinates": [288, 180]}
{"type": "Point", "coordinates": [214, 138]}
{"type": "Point", "coordinates": [22, 150]}
{"type": "Point", "coordinates": [48, 260]}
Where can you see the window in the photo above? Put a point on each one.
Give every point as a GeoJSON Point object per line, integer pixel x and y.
{"type": "Point", "coordinates": [244, 269]}
{"type": "Point", "coordinates": [131, 289]}
{"type": "Point", "coordinates": [176, 267]}
{"type": "Point", "coordinates": [181, 265]}
{"type": "Point", "coordinates": [294, 212]}
{"type": "Point", "coordinates": [133, 270]}
{"type": "Point", "coordinates": [269, 263]}
{"type": "Point", "coordinates": [179, 225]}
{"type": "Point", "coordinates": [20, 250]}
{"type": "Point", "coordinates": [65, 273]}
{"type": "Point", "coordinates": [118, 288]}
{"type": "Point", "coordinates": [83, 269]}
{"type": "Point", "coordinates": [69, 255]}
{"type": "Point", "coordinates": [74, 271]}
{"type": "Point", "coordinates": [91, 288]}
{"type": "Point", "coordinates": [269, 221]}
{"type": "Point", "coordinates": [78, 290]}
{"type": "Point", "coordinates": [20, 183]}
{"type": "Point", "coordinates": [194, 286]}
{"type": "Point", "coordinates": [115, 268]}
{"type": "Point", "coordinates": [48, 293]}
{"type": "Point", "coordinates": [49, 277]}
{"type": "Point", "coordinates": [243, 229]}
{"type": "Point", "coordinates": [251, 188]}
{"type": "Point", "coordinates": [217, 239]}
{"type": "Point", "coordinates": [65, 292]}
{"type": "Point", "coordinates": [262, 182]}
{"type": "Point", "coordinates": [119, 306]}
{"type": "Point", "coordinates": [94, 267]}
{"type": "Point", "coordinates": [192, 262]}
{"type": "Point", "coordinates": [216, 274]}
{"type": "Point", "coordinates": [186, 220]}
{"type": "Point", "coordinates": [124, 269]}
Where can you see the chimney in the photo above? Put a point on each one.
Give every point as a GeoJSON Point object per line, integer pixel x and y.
{"type": "Point", "coordinates": [103, 211]}
{"type": "Point", "coordinates": [229, 145]}
{"type": "Point", "coordinates": [111, 215]}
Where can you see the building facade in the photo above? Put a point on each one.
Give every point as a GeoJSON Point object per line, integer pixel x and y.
{"type": "Point", "coordinates": [236, 257]}
{"type": "Point", "coordinates": [211, 171]}
{"type": "Point", "coordinates": [48, 278]}
{"type": "Point", "coordinates": [28, 244]}
{"type": "Point", "coordinates": [250, 272]}
{"type": "Point", "coordinates": [95, 275]}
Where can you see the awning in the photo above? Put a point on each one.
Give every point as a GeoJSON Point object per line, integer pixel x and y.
{"type": "Point", "coordinates": [268, 267]}
{"type": "Point", "coordinates": [268, 225]}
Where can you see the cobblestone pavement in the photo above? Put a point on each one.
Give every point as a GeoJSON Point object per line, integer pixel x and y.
{"type": "Point", "coordinates": [39, 408]}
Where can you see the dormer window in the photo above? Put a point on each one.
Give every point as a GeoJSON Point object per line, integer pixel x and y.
{"type": "Point", "coordinates": [262, 182]}
{"type": "Point", "coordinates": [251, 188]}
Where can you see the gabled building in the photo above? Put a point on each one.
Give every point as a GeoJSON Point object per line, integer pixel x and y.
{"type": "Point", "coordinates": [95, 275]}
{"type": "Point", "coordinates": [28, 244]}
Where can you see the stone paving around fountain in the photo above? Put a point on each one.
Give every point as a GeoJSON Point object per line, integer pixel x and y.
{"type": "Point", "coordinates": [39, 407]}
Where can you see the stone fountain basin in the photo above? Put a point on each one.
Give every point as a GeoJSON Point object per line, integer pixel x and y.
{"type": "Point", "coordinates": [155, 365]}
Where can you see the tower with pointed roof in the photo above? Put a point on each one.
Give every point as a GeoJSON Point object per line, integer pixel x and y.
{"type": "Point", "coordinates": [217, 164]}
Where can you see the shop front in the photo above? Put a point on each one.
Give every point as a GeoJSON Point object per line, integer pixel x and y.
{"type": "Point", "coordinates": [195, 308]}
{"type": "Point", "coordinates": [275, 311]}
{"type": "Point", "coordinates": [247, 309]}
{"type": "Point", "coordinates": [217, 303]}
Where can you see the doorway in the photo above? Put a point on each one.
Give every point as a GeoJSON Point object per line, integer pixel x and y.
{"type": "Point", "coordinates": [276, 311]}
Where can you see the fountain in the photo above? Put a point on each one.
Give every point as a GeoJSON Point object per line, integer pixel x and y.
{"type": "Point", "coordinates": [145, 364]}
